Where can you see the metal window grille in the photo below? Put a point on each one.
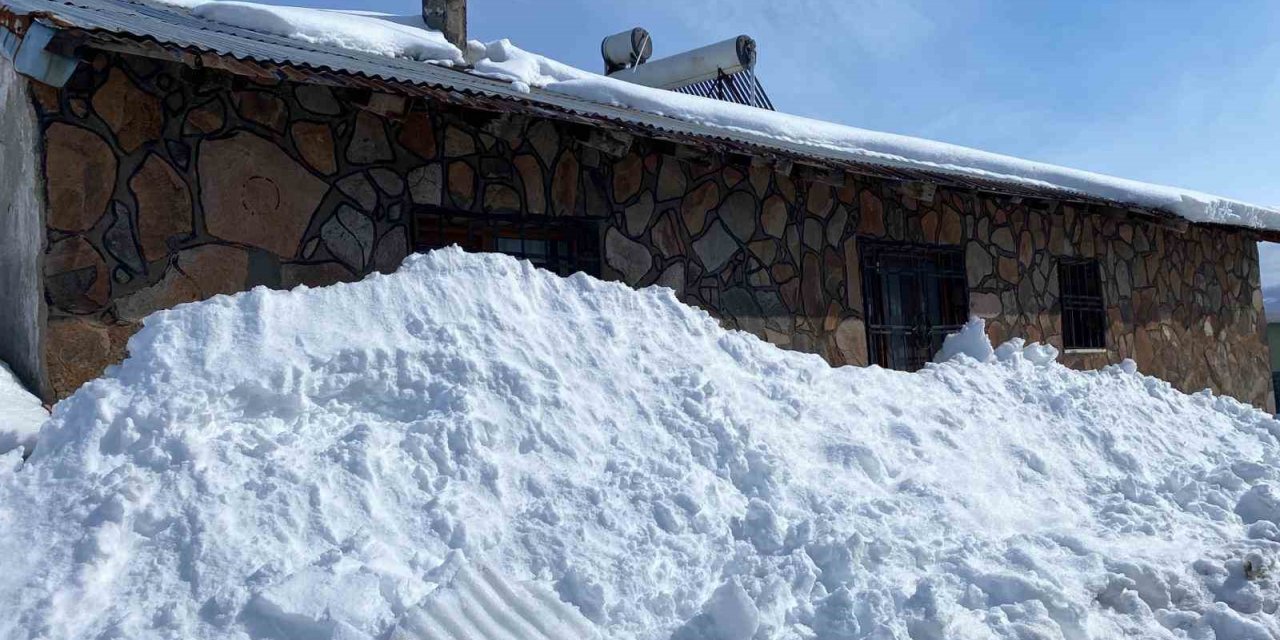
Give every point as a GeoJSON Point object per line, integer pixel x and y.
{"type": "Point", "coordinates": [914, 296]}
{"type": "Point", "coordinates": [561, 245]}
{"type": "Point", "coordinates": [1084, 311]}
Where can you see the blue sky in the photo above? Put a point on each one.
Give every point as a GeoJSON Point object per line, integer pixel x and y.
{"type": "Point", "coordinates": [1184, 93]}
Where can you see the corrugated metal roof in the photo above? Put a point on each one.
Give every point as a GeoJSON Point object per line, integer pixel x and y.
{"type": "Point", "coordinates": [175, 28]}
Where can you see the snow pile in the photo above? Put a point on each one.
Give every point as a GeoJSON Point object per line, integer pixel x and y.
{"type": "Point", "coordinates": [472, 445]}
{"type": "Point", "coordinates": [367, 32]}
{"type": "Point", "coordinates": [21, 414]}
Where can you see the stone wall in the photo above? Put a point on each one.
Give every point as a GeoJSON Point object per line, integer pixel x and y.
{"type": "Point", "coordinates": [170, 185]}
{"type": "Point", "coordinates": [21, 230]}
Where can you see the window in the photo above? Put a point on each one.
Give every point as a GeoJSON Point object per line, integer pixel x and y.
{"type": "Point", "coordinates": [914, 296]}
{"type": "Point", "coordinates": [560, 245]}
{"type": "Point", "coordinates": [1084, 314]}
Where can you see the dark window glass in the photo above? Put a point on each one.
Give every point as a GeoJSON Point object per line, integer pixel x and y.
{"type": "Point", "coordinates": [914, 295]}
{"type": "Point", "coordinates": [1084, 313]}
{"type": "Point", "coordinates": [561, 245]}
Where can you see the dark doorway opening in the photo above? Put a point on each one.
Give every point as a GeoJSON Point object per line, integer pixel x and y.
{"type": "Point", "coordinates": [914, 296]}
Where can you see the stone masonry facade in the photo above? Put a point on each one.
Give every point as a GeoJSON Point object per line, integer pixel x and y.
{"type": "Point", "coordinates": [168, 185]}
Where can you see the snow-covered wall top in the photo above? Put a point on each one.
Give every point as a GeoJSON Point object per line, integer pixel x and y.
{"type": "Point", "coordinates": [396, 47]}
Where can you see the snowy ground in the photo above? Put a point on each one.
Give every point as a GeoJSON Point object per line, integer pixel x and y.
{"type": "Point", "coordinates": [471, 448]}
{"type": "Point", "coordinates": [21, 413]}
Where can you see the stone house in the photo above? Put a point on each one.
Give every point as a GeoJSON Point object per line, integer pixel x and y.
{"type": "Point", "coordinates": [152, 160]}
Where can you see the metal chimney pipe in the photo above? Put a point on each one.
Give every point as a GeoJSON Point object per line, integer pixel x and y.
{"type": "Point", "coordinates": [448, 17]}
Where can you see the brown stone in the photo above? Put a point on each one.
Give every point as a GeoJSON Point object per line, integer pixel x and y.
{"type": "Point", "coordinates": [500, 198]}
{"type": "Point", "coordinates": [369, 143]}
{"type": "Point", "coordinates": [349, 235]}
{"type": "Point", "coordinates": [782, 272]}
{"type": "Point", "coordinates": [81, 174]}
{"type": "Point", "coordinates": [418, 135]}
{"type": "Point", "coordinates": [358, 187]}
{"type": "Point", "coordinates": [977, 263]}
{"type": "Point", "coordinates": [392, 249]}
{"type": "Point", "coordinates": [638, 215]}
{"type": "Point", "coordinates": [206, 118]}
{"type": "Point", "coordinates": [426, 185]}
{"type": "Point", "coordinates": [1026, 249]}
{"type": "Point", "coordinates": [199, 274]}
{"type": "Point", "coordinates": [870, 215]}
{"type": "Point", "coordinates": [951, 230]}
{"type": "Point", "coordinates": [458, 143]}
{"type": "Point", "coordinates": [314, 275]}
{"type": "Point", "coordinates": [694, 207]}
{"type": "Point", "coordinates": [1003, 238]}
{"type": "Point", "coordinates": [76, 350]}
{"type": "Point", "coordinates": [715, 248]}
{"type": "Point", "coordinates": [671, 180]}
{"type": "Point", "coordinates": [317, 99]}
{"type": "Point", "coordinates": [628, 257]}
{"type": "Point", "coordinates": [759, 175]}
{"type": "Point", "coordinates": [628, 174]}
{"type": "Point", "coordinates": [76, 276]}
{"type": "Point", "coordinates": [764, 250]}
{"type": "Point", "coordinates": [836, 226]}
{"type": "Point", "coordinates": [732, 177]}
{"type": "Point", "coordinates": [388, 181]}
{"type": "Point", "coordinates": [462, 184]}
{"type": "Point", "coordinates": [545, 140]}
{"type": "Point", "coordinates": [164, 206]}
{"type": "Point", "coordinates": [263, 108]}
{"type": "Point", "coordinates": [790, 294]}
{"type": "Point", "coordinates": [738, 212]}
{"type": "Point", "coordinates": [673, 278]}
{"type": "Point", "coordinates": [46, 97]}
{"type": "Point", "coordinates": [819, 200]}
{"type": "Point", "coordinates": [134, 115]}
{"type": "Point", "coordinates": [1008, 268]}
{"type": "Point", "coordinates": [984, 305]}
{"type": "Point", "coordinates": [665, 237]}
{"type": "Point", "coordinates": [774, 217]}
{"type": "Point", "coordinates": [813, 234]}
{"type": "Point", "coordinates": [564, 185]}
{"type": "Point", "coordinates": [787, 187]}
{"type": "Point", "coordinates": [255, 194]}
{"type": "Point", "coordinates": [852, 275]}
{"type": "Point", "coordinates": [315, 144]}
{"type": "Point", "coordinates": [851, 340]}
{"type": "Point", "coordinates": [929, 225]}
{"type": "Point", "coordinates": [811, 285]}
{"type": "Point", "coordinates": [535, 194]}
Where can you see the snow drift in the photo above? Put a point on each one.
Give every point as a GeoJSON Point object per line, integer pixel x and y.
{"type": "Point", "coordinates": [21, 413]}
{"type": "Point", "coordinates": [471, 447]}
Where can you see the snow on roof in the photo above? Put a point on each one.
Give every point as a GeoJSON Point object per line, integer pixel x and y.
{"type": "Point", "coordinates": [397, 48]}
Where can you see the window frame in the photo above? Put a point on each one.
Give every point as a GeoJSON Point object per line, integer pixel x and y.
{"type": "Point", "coordinates": [573, 243]}
{"type": "Point", "coordinates": [948, 265]}
{"type": "Point", "coordinates": [1082, 306]}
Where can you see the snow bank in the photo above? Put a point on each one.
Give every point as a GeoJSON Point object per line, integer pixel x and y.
{"type": "Point", "coordinates": [437, 452]}
{"type": "Point", "coordinates": [21, 414]}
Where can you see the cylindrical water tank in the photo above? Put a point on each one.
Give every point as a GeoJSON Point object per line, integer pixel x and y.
{"type": "Point", "coordinates": [626, 49]}
{"type": "Point", "coordinates": [731, 56]}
